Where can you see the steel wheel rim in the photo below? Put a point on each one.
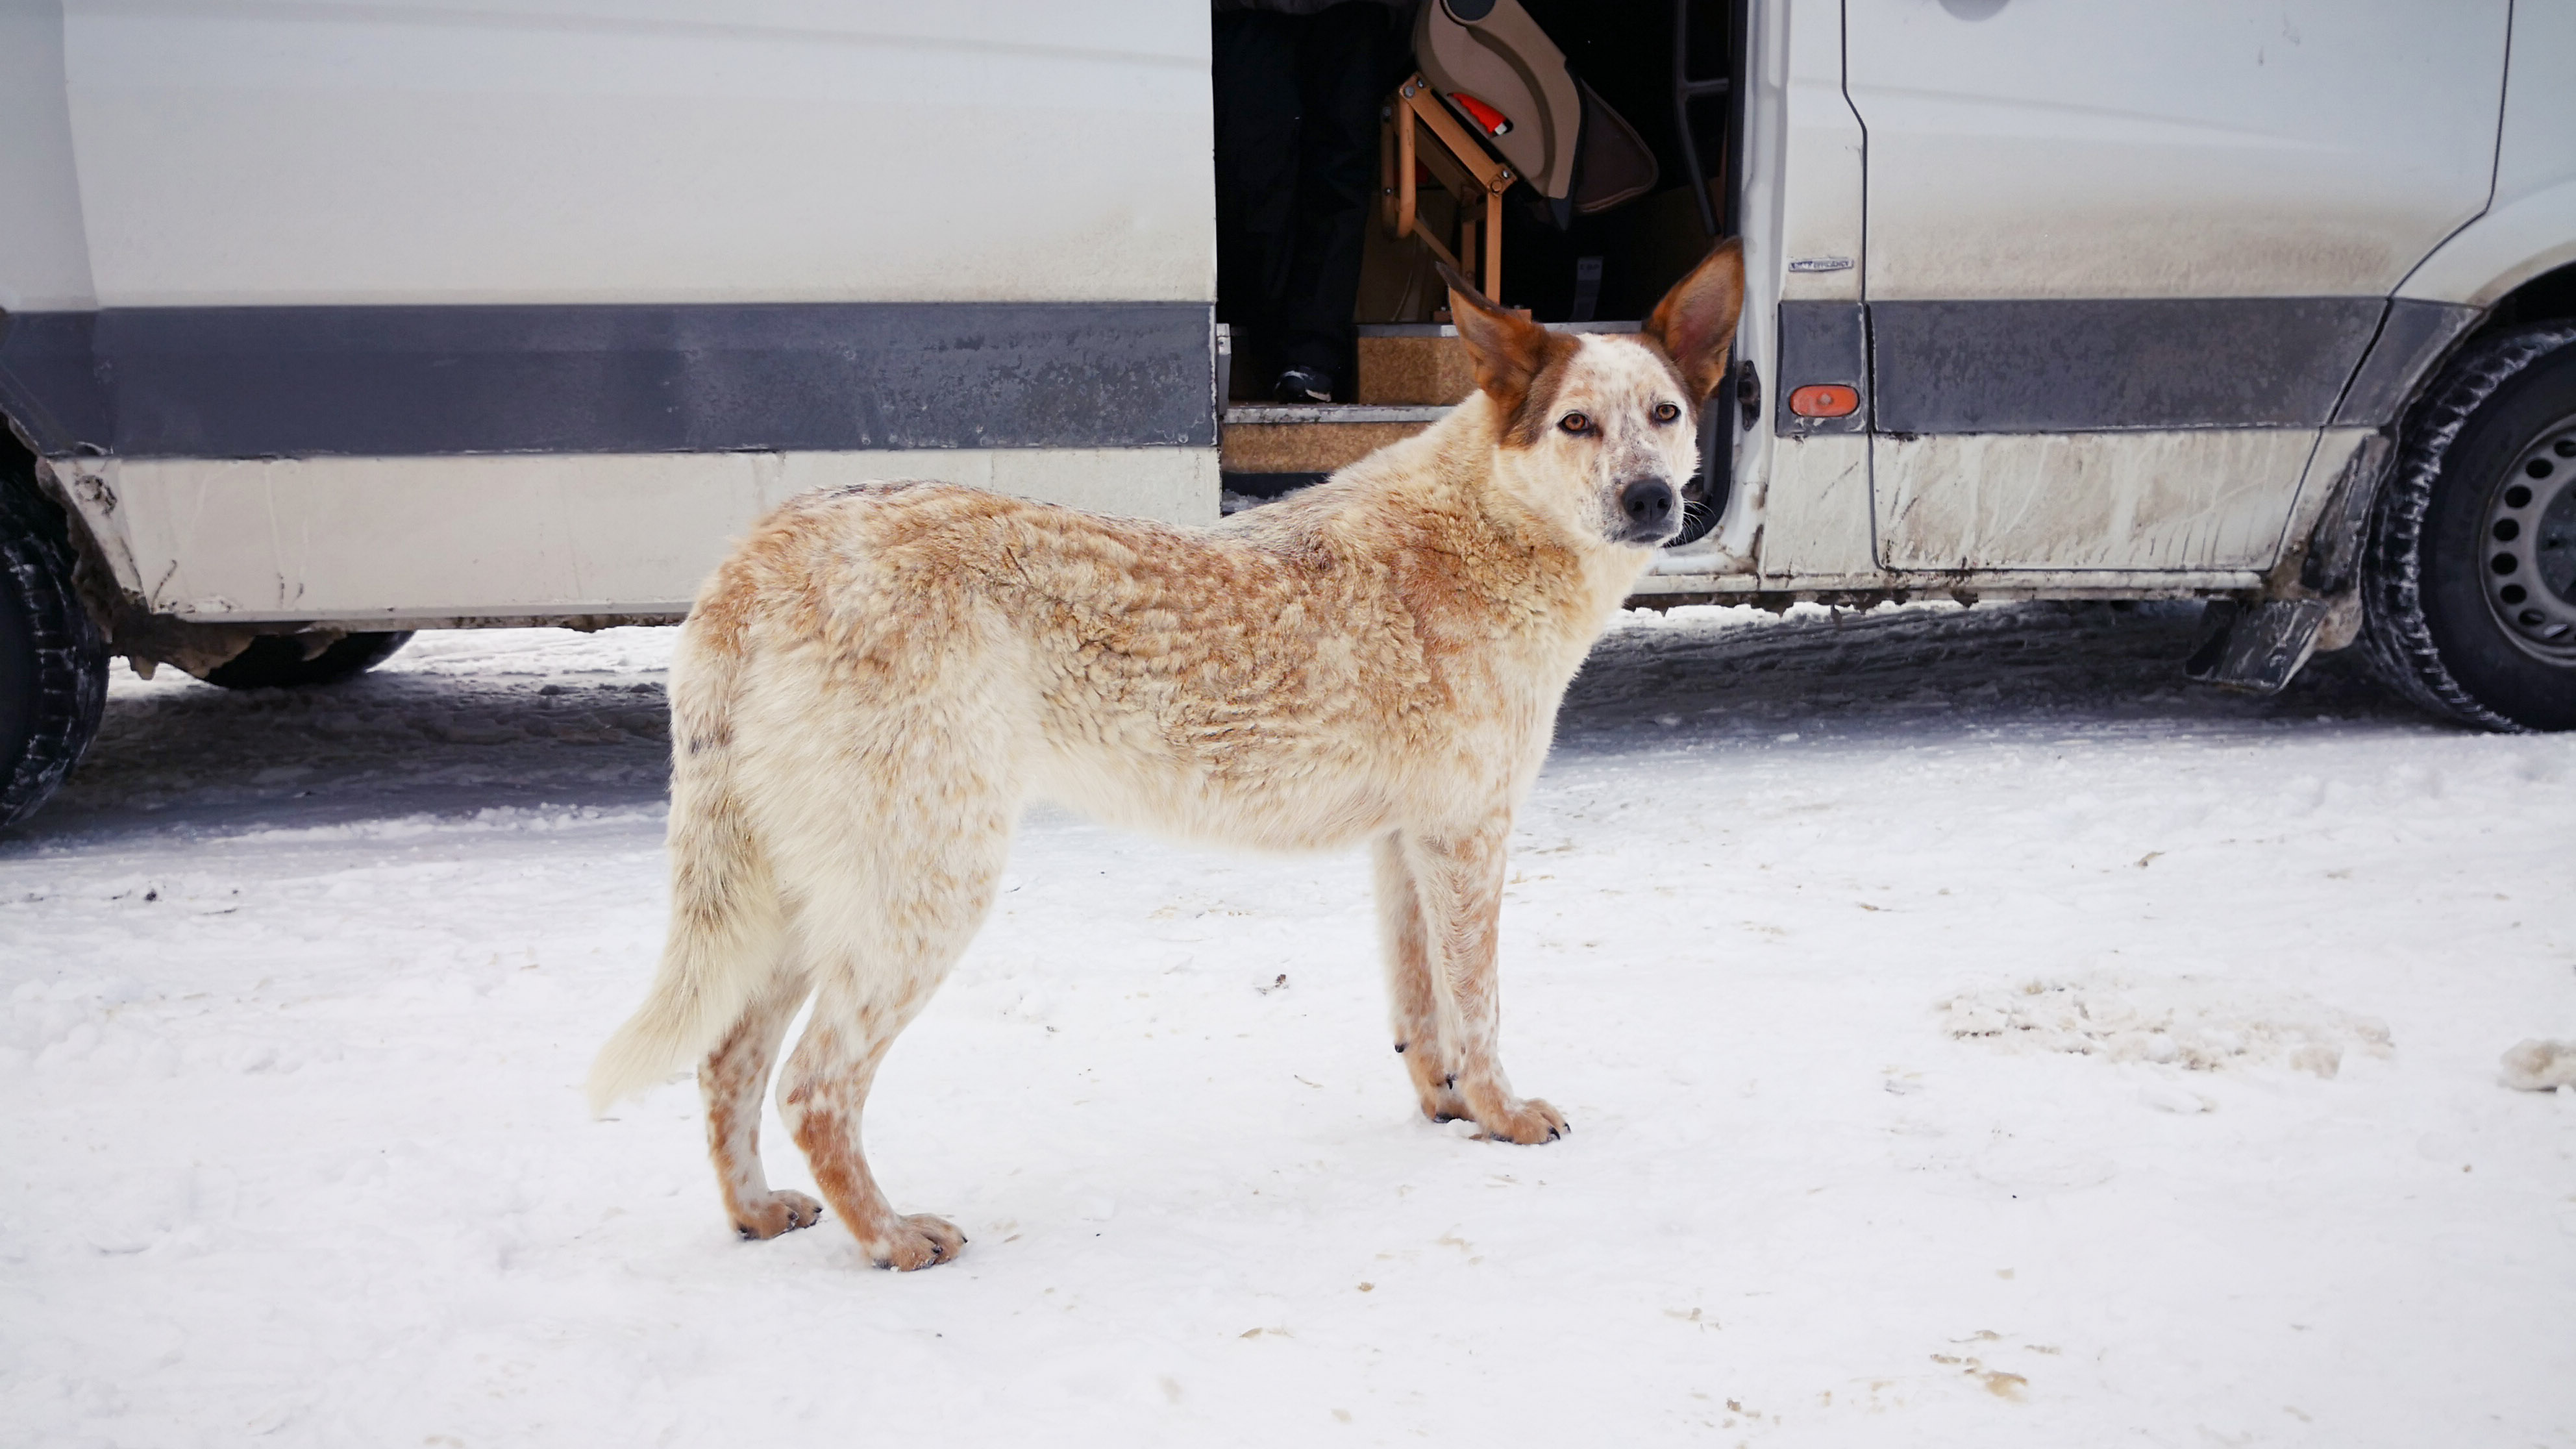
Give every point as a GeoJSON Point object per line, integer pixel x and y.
{"type": "Point", "coordinates": [2527, 547]}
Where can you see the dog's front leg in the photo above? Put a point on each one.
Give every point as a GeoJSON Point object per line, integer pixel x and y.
{"type": "Point", "coordinates": [1458, 880]}
{"type": "Point", "coordinates": [1411, 993]}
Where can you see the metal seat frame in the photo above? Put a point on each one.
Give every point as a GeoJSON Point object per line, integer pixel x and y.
{"type": "Point", "coordinates": [1460, 165]}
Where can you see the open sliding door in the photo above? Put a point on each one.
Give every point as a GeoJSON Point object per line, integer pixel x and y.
{"type": "Point", "coordinates": [2124, 259]}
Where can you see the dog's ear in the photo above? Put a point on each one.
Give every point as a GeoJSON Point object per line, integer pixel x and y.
{"type": "Point", "coordinates": [1696, 320]}
{"type": "Point", "coordinates": [1507, 348]}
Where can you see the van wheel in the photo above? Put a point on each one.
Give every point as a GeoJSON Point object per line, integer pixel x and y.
{"type": "Point", "coordinates": [2469, 590]}
{"type": "Point", "coordinates": [53, 664]}
{"type": "Point", "coordinates": [276, 661]}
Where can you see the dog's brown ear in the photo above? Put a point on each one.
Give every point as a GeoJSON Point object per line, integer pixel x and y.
{"type": "Point", "coordinates": [1507, 348]}
{"type": "Point", "coordinates": [1696, 320]}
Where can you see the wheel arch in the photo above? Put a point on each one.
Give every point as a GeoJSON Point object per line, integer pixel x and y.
{"type": "Point", "coordinates": [2394, 581]}
{"type": "Point", "coordinates": [2530, 242]}
{"type": "Point", "coordinates": [2540, 297]}
{"type": "Point", "coordinates": [2545, 296]}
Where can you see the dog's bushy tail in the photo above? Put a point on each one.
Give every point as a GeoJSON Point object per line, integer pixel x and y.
{"type": "Point", "coordinates": [726, 923]}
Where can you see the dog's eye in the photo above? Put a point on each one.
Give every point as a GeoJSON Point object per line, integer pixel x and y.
{"type": "Point", "coordinates": [1575, 423]}
{"type": "Point", "coordinates": [1666, 412]}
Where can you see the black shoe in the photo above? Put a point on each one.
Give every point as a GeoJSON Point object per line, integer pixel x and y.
{"type": "Point", "coordinates": [1304, 385]}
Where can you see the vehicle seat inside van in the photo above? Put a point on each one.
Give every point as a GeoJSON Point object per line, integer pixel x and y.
{"type": "Point", "coordinates": [1502, 74]}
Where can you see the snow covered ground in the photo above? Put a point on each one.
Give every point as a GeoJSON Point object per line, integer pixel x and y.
{"type": "Point", "coordinates": [1974, 1036]}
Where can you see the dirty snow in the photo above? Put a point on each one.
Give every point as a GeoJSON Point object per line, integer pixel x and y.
{"type": "Point", "coordinates": [2541, 1066]}
{"type": "Point", "coordinates": [1930, 991]}
{"type": "Point", "coordinates": [2196, 1022]}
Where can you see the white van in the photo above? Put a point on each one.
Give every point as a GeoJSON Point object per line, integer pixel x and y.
{"type": "Point", "coordinates": [321, 324]}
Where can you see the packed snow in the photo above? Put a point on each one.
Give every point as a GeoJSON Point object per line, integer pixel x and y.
{"type": "Point", "coordinates": [1974, 1035]}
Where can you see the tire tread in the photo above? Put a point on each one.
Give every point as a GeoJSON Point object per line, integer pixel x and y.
{"type": "Point", "coordinates": [70, 656]}
{"type": "Point", "coordinates": [2399, 645]}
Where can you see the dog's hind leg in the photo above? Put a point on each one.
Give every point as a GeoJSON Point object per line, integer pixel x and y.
{"type": "Point", "coordinates": [880, 946]}
{"type": "Point", "coordinates": [1411, 993]}
{"type": "Point", "coordinates": [824, 1094]}
{"type": "Point", "coordinates": [734, 1077]}
{"type": "Point", "coordinates": [1458, 879]}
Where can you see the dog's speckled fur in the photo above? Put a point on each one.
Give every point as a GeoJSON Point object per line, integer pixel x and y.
{"type": "Point", "coordinates": [877, 679]}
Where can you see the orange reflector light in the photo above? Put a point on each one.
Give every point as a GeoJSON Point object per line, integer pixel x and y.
{"type": "Point", "coordinates": [1494, 122]}
{"type": "Point", "coordinates": [1825, 400]}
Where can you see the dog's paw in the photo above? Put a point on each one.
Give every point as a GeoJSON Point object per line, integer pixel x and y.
{"type": "Point", "coordinates": [770, 1214]}
{"type": "Point", "coordinates": [1443, 1105]}
{"type": "Point", "coordinates": [1526, 1122]}
{"type": "Point", "coordinates": [914, 1242]}
{"type": "Point", "coordinates": [1436, 1090]}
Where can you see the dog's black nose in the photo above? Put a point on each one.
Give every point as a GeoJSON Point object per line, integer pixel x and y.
{"type": "Point", "coordinates": [1649, 504]}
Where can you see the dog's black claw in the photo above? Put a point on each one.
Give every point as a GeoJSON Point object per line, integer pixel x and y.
{"type": "Point", "coordinates": [1399, 1048]}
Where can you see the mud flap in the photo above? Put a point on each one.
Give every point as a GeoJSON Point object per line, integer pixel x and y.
{"type": "Point", "coordinates": [2258, 647]}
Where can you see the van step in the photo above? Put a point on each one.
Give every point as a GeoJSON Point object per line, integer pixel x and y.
{"type": "Point", "coordinates": [1410, 375]}
{"type": "Point", "coordinates": [1333, 413]}
{"type": "Point", "coordinates": [1420, 363]}
{"type": "Point", "coordinates": [1315, 439]}
{"type": "Point", "coordinates": [1414, 370]}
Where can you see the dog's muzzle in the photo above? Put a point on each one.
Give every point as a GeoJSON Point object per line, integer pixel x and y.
{"type": "Point", "coordinates": [1651, 510]}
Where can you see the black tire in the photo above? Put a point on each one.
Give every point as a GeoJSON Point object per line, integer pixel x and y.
{"type": "Point", "coordinates": [2467, 594]}
{"type": "Point", "coordinates": [53, 663]}
{"type": "Point", "coordinates": [276, 661]}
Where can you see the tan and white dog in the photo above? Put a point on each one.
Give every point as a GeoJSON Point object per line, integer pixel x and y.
{"type": "Point", "coordinates": [872, 685]}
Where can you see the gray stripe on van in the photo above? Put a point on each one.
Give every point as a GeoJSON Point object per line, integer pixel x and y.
{"type": "Point", "coordinates": [410, 381]}
{"type": "Point", "coordinates": [2093, 365]}
{"type": "Point", "coordinates": [2414, 337]}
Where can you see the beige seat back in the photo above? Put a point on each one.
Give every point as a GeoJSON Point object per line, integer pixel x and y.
{"type": "Point", "coordinates": [1504, 77]}
{"type": "Point", "coordinates": [1492, 62]}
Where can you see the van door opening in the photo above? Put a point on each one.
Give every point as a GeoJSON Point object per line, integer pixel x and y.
{"type": "Point", "coordinates": [1619, 175]}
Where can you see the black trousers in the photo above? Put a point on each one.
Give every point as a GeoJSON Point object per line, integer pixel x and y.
{"type": "Point", "coordinates": [1297, 100]}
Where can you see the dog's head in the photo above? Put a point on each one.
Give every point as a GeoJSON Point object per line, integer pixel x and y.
{"type": "Point", "coordinates": [1599, 431]}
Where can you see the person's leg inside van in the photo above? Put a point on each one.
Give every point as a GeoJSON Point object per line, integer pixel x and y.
{"type": "Point", "coordinates": [1254, 74]}
{"type": "Point", "coordinates": [1343, 74]}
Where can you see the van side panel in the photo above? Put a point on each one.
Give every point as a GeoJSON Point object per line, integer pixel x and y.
{"type": "Point", "coordinates": [2531, 228]}
{"type": "Point", "coordinates": [403, 542]}
{"type": "Point", "coordinates": [44, 255]}
{"type": "Point", "coordinates": [2181, 148]}
{"type": "Point", "coordinates": [2126, 259]}
{"type": "Point", "coordinates": [471, 309]}
{"type": "Point", "coordinates": [634, 151]}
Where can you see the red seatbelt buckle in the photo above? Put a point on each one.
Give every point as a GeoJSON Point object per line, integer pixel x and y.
{"type": "Point", "coordinates": [1492, 122]}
